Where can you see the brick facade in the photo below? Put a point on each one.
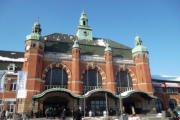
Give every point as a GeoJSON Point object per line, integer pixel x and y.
{"type": "Point", "coordinates": [38, 63]}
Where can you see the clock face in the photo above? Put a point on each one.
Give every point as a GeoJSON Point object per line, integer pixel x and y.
{"type": "Point", "coordinates": [86, 33]}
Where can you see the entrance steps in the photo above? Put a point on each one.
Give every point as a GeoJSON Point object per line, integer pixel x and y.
{"type": "Point", "coordinates": [67, 118]}
{"type": "Point", "coordinates": [141, 117]}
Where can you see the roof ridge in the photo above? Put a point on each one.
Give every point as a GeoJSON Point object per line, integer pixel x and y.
{"type": "Point", "coordinates": [11, 51]}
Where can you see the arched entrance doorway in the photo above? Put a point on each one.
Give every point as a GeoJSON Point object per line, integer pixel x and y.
{"type": "Point", "coordinates": [137, 101]}
{"type": "Point", "coordinates": [100, 100]}
{"type": "Point", "coordinates": [97, 105]}
{"type": "Point", "coordinates": [58, 103]}
{"type": "Point", "coordinates": [57, 99]}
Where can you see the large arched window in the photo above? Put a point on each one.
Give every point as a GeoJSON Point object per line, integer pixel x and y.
{"type": "Point", "coordinates": [123, 79]}
{"type": "Point", "coordinates": [56, 76]}
{"type": "Point", "coordinates": [92, 78]}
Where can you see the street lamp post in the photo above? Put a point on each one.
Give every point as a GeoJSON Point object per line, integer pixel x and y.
{"type": "Point", "coordinates": [120, 104]}
{"type": "Point", "coordinates": [120, 98]}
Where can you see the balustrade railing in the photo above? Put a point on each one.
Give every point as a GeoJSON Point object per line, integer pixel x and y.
{"type": "Point", "coordinates": [55, 86]}
{"type": "Point", "coordinates": [119, 89]}
{"type": "Point", "coordinates": [123, 89]}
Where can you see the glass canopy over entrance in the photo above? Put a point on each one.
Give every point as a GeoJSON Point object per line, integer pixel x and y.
{"type": "Point", "coordinates": [96, 101]}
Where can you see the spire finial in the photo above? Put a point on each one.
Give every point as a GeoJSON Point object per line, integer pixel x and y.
{"type": "Point", "coordinates": [38, 19]}
{"type": "Point", "coordinates": [83, 15]}
{"type": "Point", "coordinates": [136, 33]}
{"type": "Point", "coordinates": [76, 43]}
{"type": "Point", "coordinates": [138, 46]}
{"type": "Point", "coordinates": [83, 11]}
{"type": "Point", "coordinates": [138, 41]}
{"type": "Point", "coordinates": [108, 48]}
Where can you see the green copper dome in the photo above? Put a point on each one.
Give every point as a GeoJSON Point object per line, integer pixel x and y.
{"type": "Point", "coordinates": [138, 46]}
{"type": "Point", "coordinates": [34, 36]}
{"type": "Point", "coordinates": [36, 33]}
{"type": "Point", "coordinates": [36, 24]}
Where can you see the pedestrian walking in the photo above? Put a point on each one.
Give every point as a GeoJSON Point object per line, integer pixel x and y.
{"type": "Point", "coordinates": [172, 115]}
{"type": "Point", "coordinates": [23, 116]}
{"type": "Point", "coordinates": [7, 114]}
{"type": "Point", "coordinates": [63, 115]}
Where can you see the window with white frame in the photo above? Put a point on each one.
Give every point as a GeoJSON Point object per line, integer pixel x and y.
{"type": "Point", "coordinates": [157, 90]}
{"type": "Point", "coordinates": [172, 90]}
{"type": "Point", "coordinates": [11, 106]}
{"type": "Point", "coordinates": [13, 85]}
{"type": "Point", "coordinates": [11, 67]}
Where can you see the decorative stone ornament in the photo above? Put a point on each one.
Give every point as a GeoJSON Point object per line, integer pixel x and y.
{"type": "Point", "coordinates": [138, 46]}
{"type": "Point", "coordinates": [108, 48]}
{"type": "Point", "coordinates": [76, 44]}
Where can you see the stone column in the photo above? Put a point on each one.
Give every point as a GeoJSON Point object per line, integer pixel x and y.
{"type": "Point", "coordinates": [110, 72]}
{"type": "Point", "coordinates": [76, 83]}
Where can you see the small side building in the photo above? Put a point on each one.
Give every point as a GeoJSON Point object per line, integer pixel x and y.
{"type": "Point", "coordinates": [167, 89]}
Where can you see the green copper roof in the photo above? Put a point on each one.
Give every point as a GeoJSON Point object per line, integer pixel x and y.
{"type": "Point", "coordinates": [34, 36]}
{"type": "Point", "coordinates": [138, 46]}
{"type": "Point", "coordinates": [36, 33]}
{"type": "Point", "coordinates": [62, 43]}
{"type": "Point", "coordinates": [129, 93]}
{"type": "Point", "coordinates": [53, 90]}
{"type": "Point", "coordinates": [89, 93]}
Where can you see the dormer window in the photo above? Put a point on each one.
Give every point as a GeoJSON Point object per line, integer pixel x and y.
{"type": "Point", "coordinates": [12, 67]}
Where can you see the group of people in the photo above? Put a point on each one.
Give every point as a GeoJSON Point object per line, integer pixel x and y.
{"type": "Point", "coordinates": [62, 112]}
{"type": "Point", "coordinates": [53, 112]}
{"type": "Point", "coordinates": [5, 115]}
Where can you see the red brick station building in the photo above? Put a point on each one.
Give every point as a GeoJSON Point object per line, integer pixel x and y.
{"type": "Point", "coordinates": [81, 71]}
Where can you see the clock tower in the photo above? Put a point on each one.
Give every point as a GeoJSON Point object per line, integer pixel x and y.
{"type": "Point", "coordinates": [34, 50]}
{"type": "Point", "coordinates": [83, 30]}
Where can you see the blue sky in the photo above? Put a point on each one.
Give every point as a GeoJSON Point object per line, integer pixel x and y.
{"type": "Point", "coordinates": [157, 22]}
